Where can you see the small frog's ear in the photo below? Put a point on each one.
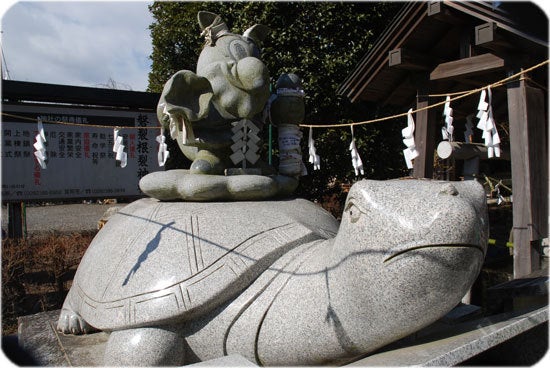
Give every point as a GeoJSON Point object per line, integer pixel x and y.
{"type": "Point", "coordinates": [212, 26]}
{"type": "Point", "coordinates": [257, 33]}
{"type": "Point", "coordinates": [206, 19]}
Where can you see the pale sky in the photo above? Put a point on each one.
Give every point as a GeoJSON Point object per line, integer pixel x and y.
{"type": "Point", "coordinates": [81, 43]}
{"type": "Point", "coordinates": [77, 42]}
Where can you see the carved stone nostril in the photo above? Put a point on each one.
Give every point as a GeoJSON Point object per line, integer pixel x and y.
{"type": "Point", "coordinates": [449, 189]}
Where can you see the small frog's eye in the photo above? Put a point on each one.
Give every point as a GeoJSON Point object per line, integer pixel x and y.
{"type": "Point", "coordinates": [353, 211]}
{"type": "Point", "coordinates": [238, 49]}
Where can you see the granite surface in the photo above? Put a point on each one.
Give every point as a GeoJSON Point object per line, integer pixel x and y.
{"type": "Point", "coordinates": [445, 347]}
{"type": "Point", "coordinates": [440, 344]}
{"type": "Point", "coordinates": [183, 185]}
{"type": "Point", "coordinates": [179, 259]}
{"type": "Point", "coordinates": [270, 281]}
{"type": "Point", "coordinates": [39, 339]}
{"type": "Point", "coordinates": [225, 361]}
{"type": "Point", "coordinates": [409, 249]}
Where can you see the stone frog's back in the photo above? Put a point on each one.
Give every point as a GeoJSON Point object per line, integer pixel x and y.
{"type": "Point", "coordinates": [176, 260]}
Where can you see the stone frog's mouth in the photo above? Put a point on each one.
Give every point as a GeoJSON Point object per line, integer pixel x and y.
{"type": "Point", "coordinates": [392, 254]}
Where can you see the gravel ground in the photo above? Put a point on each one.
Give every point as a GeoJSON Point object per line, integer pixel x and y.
{"type": "Point", "coordinates": [64, 217]}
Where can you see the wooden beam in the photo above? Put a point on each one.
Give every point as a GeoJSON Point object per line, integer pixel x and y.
{"type": "Point", "coordinates": [488, 36]}
{"type": "Point", "coordinates": [424, 137]}
{"type": "Point", "coordinates": [403, 84]}
{"type": "Point", "coordinates": [467, 67]}
{"type": "Point", "coordinates": [529, 150]}
{"type": "Point", "coordinates": [408, 59]}
{"type": "Point", "coordinates": [397, 32]}
{"type": "Point", "coordinates": [485, 33]}
{"type": "Point", "coordinates": [423, 165]}
{"type": "Point", "coordinates": [438, 10]}
{"type": "Point", "coordinates": [466, 151]}
{"type": "Point", "coordinates": [43, 92]}
{"type": "Point", "coordinates": [434, 8]}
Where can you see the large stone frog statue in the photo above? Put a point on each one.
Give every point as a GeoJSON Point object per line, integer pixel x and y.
{"type": "Point", "coordinates": [231, 84]}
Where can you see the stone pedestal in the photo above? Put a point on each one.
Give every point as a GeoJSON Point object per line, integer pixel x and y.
{"type": "Point", "coordinates": [39, 338]}
{"type": "Point", "coordinates": [445, 343]}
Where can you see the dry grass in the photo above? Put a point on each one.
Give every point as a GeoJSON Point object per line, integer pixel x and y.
{"type": "Point", "coordinates": [36, 273]}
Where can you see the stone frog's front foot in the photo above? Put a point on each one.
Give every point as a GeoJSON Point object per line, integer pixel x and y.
{"type": "Point", "coordinates": [71, 322]}
{"type": "Point", "coordinates": [207, 162]}
{"type": "Point", "coordinates": [146, 347]}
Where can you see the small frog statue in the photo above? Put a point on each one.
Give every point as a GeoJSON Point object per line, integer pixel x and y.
{"type": "Point", "coordinates": [215, 116]}
{"type": "Point", "coordinates": [203, 110]}
{"type": "Point", "coordinates": [287, 111]}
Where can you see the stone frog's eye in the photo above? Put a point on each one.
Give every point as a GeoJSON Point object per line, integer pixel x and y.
{"type": "Point", "coordinates": [449, 189]}
{"type": "Point", "coordinates": [354, 211]}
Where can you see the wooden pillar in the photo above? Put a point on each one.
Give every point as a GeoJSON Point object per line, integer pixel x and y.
{"type": "Point", "coordinates": [16, 220]}
{"type": "Point", "coordinates": [424, 136]}
{"type": "Point", "coordinates": [529, 156]}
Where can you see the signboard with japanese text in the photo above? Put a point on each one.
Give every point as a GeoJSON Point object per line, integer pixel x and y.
{"type": "Point", "coordinates": [79, 153]}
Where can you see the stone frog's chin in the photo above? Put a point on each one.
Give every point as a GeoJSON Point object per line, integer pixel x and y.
{"type": "Point", "coordinates": [452, 267]}
{"type": "Point", "coordinates": [455, 249]}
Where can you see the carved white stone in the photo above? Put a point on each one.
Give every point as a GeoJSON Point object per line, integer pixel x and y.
{"type": "Point", "coordinates": [280, 282]}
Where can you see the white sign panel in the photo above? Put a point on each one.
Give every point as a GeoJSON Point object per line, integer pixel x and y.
{"type": "Point", "coordinates": [80, 158]}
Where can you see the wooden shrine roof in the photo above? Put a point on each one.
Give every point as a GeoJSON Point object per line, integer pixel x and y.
{"type": "Point", "coordinates": [426, 37]}
{"type": "Point", "coordinates": [22, 91]}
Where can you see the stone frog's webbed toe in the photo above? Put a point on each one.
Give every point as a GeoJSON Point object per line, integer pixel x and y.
{"type": "Point", "coordinates": [71, 322]}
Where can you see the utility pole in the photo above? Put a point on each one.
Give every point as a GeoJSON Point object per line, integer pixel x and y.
{"type": "Point", "coordinates": [4, 65]}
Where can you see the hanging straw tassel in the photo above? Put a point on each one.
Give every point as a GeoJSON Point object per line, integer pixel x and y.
{"type": "Point", "coordinates": [314, 158]}
{"type": "Point", "coordinates": [118, 147]}
{"type": "Point", "coordinates": [39, 146]}
{"type": "Point", "coordinates": [187, 134]}
{"type": "Point", "coordinates": [448, 129]}
{"type": "Point", "coordinates": [410, 153]}
{"type": "Point", "coordinates": [487, 124]}
{"type": "Point", "coordinates": [355, 158]}
{"type": "Point", "coordinates": [163, 152]}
